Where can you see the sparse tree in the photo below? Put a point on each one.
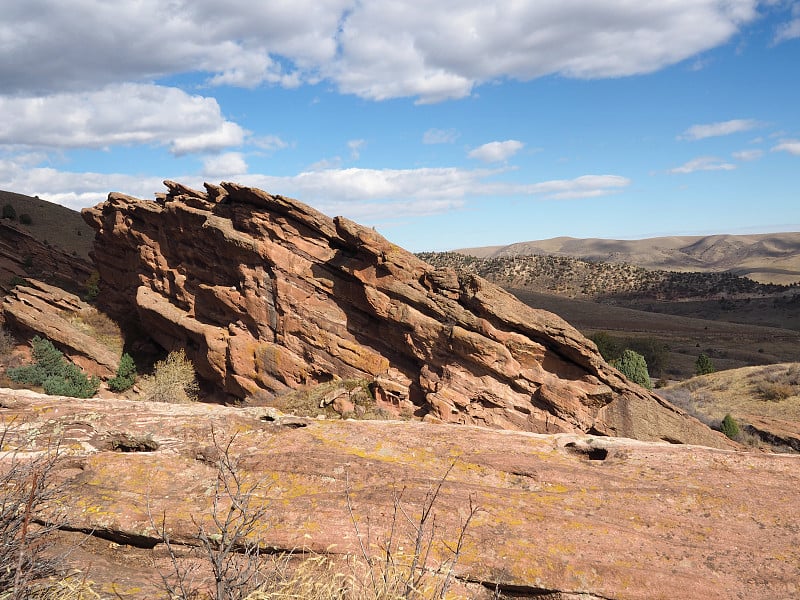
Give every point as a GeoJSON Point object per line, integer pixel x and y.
{"type": "Point", "coordinates": [634, 367]}
{"type": "Point", "coordinates": [126, 374]}
{"type": "Point", "coordinates": [730, 427]}
{"type": "Point", "coordinates": [703, 365]}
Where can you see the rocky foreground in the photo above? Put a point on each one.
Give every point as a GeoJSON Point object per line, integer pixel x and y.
{"type": "Point", "coordinates": [267, 295]}
{"type": "Point", "coordinates": [559, 516]}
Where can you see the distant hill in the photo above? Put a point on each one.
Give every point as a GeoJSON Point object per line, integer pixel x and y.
{"type": "Point", "coordinates": [605, 281]}
{"type": "Point", "coordinates": [767, 258]}
{"type": "Point", "coordinates": [52, 223]}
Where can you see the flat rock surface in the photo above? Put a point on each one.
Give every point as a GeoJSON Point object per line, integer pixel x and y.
{"type": "Point", "coordinates": [557, 514]}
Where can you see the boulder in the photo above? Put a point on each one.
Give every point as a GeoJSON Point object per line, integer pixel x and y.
{"type": "Point", "coordinates": [267, 294]}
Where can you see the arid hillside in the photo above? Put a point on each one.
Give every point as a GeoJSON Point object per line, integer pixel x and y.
{"type": "Point", "coordinates": [768, 258]}
{"type": "Point", "coordinates": [51, 223]}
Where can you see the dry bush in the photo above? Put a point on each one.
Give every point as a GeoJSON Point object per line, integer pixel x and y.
{"type": "Point", "coordinates": [173, 380]}
{"type": "Point", "coordinates": [28, 515]}
{"type": "Point", "coordinates": [775, 392]}
{"type": "Point", "coordinates": [7, 344]}
{"type": "Point", "coordinates": [228, 547]}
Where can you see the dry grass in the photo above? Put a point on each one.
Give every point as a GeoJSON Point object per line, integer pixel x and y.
{"type": "Point", "coordinates": [310, 401]}
{"type": "Point", "coordinates": [770, 391]}
{"type": "Point", "coordinates": [99, 327]}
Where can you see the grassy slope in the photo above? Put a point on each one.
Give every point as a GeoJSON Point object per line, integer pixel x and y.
{"type": "Point", "coordinates": [57, 224]}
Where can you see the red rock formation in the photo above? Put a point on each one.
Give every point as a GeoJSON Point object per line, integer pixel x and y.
{"type": "Point", "coordinates": [560, 516]}
{"type": "Point", "coordinates": [41, 309]}
{"type": "Point", "coordinates": [267, 294]}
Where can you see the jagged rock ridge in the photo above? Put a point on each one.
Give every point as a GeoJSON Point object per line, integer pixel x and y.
{"type": "Point", "coordinates": [267, 294]}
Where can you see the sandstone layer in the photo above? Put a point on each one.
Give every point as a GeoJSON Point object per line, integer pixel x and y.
{"type": "Point", "coordinates": [266, 294]}
{"type": "Point", "coordinates": [559, 516]}
{"type": "Point", "coordinates": [37, 308]}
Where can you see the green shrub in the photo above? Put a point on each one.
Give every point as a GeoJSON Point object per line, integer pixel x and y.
{"type": "Point", "coordinates": [730, 427]}
{"type": "Point", "coordinates": [51, 371]}
{"type": "Point", "coordinates": [173, 380]}
{"type": "Point", "coordinates": [634, 367]}
{"type": "Point", "coordinates": [92, 286]}
{"type": "Point", "coordinates": [25, 219]}
{"type": "Point", "coordinates": [9, 212]}
{"type": "Point", "coordinates": [126, 375]}
{"type": "Point", "coordinates": [610, 347]}
{"type": "Point", "coordinates": [703, 365]}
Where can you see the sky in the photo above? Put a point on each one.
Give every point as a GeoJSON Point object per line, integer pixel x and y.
{"type": "Point", "coordinates": [443, 124]}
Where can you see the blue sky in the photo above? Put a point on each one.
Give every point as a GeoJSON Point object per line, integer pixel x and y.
{"type": "Point", "coordinates": [458, 124]}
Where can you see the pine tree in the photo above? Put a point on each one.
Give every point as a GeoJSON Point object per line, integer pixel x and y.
{"type": "Point", "coordinates": [703, 365]}
{"type": "Point", "coordinates": [634, 367]}
{"type": "Point", "coordinates": [126, 375]}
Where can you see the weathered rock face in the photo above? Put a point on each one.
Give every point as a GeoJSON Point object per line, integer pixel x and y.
{"type": "Point", "coordinates": [266, 294]}
{"type": "Point", "coordinates": [559, 516]}
{"type": "Point", "coordinates": [41, 309]}
{"type": "Point", "coordinates": [22, 255]}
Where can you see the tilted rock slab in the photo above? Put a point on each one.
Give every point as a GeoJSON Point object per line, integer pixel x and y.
{"type": "Point", "coordinates": [267, 294]}
{"type": "Point", "coordinates": [37, 308]}
{"type": "Point", "coordinates": [559, 516]}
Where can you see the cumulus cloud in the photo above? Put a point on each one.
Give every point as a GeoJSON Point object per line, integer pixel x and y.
{"type": "Point", "coordinates": [699, 132]}
{"type": "Point", "coordinates": [224, 166]}
{"type": "Point", "coordinates": [496, 151]}
{"type": "Point", "coordinates": [704, 163]}
{"type": "Point", "coordinates": [790, 146]}
{"type": "Point", "coordinates": [118, 115]}
{"type": "Point", "coordinates": [379, 49]}
{"type": "Point", "coordinates": [439, 136]}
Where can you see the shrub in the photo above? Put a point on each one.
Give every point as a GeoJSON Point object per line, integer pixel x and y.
{"type": "Point", "coordinates": [25, 219]}
{"type": "Point", "coordinates": [610, 347]}
{"type": "Point", "coordinates": [173, 380]}
{"type": "Point", "coordinates": [126, 375]}
{"type": "Point", "coordinates": [51, 371]}
{"type": "Point", "coordinates": [730, 427]}
{"type": "Point", "coordinates": [9, 212]}
{"type": "Point", "coordinates": [703, 365]}
{"type": "Point", "coordinates": [634, 367]}
{"type": "Point", "coordinates": [6, 343]}
{"type": "Point", "coordinates": [92, 286]}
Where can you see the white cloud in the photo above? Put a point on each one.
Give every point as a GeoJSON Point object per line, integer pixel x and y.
{"type": "Point", "coordinates": [791, 29]}
{"type": "Point", "coordinates": [790, 146]}
{"type": "Point", "coordinates": [118, 115]}
{"type": "Point", "coordinates": [378, 49]}
{"type": "Point", "coordinates": [704, 163]}
{"type": "Point", "coordinates": [439, 136]}
{"type": "Point", "coordinates": [496, 151]}
{"type": "Point", "coordinates": [355, 148]}
{"type": "Point", "coordinates": [270, 143]}
{"type": "Point", "coordinates": [699, 132]}
{"type": "Point", "coordinates": [224, 166]}
{"type": "Point", "coordinates": [360, 194]}
{"type": "Point", "coordinates": [747, 155]}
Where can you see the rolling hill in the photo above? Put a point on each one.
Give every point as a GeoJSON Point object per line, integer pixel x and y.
{"type": "Point", "coordinates": [767, 258]}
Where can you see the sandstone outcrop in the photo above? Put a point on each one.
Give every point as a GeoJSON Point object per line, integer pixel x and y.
{"type": "Point", "coordinates": [37, 308]}
{"type": "Point", "coordinates": [266, 294]}
{"type": "Point", "coordinates": [559, 516]}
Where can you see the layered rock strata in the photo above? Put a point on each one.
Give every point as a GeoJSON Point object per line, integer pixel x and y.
{"type": "Point", "coordinates": [267, 294]}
